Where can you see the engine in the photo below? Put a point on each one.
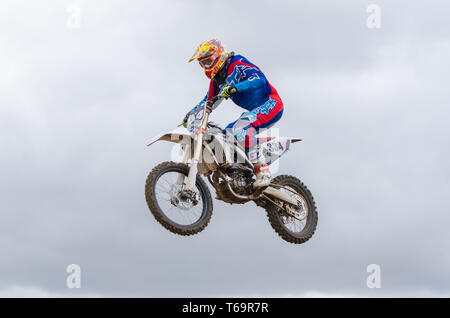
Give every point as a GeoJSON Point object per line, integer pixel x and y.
{"type": "Point", "coordinates": [241, 177]}
{"type": "Point", "coordinates": [240, 180]}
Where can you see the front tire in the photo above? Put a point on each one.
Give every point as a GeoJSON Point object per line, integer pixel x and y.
{"type": "Point", "coordinates": [278, 218]}
{"type": "Point", "coordinates": [161, 215]}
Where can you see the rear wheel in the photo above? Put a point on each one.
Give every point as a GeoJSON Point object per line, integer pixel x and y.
{"type": "Point", "coordinates": [171, 208]}
{"type": "Point", "coordinates": [293, 229]}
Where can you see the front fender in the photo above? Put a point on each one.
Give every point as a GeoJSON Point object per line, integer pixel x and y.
{"type": "Point", "coordinates": [177, 135]}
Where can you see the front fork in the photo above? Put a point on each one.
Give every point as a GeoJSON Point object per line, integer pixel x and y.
{"type": "Point", "coordinates": [198, 143]}
{"type": "Point", "coordinates": [179, 183]}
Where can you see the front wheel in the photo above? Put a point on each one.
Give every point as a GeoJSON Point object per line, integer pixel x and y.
{"type": "Point", "coordinates": [294, 230]}
{"type": "Point", "coordinates": [164, 196]}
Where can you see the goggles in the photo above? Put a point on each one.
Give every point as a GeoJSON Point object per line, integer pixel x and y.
{"type": "Point", "coordinates": [206, 62]}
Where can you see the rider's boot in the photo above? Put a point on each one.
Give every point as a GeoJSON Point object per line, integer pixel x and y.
{"type": "Point", "coordinates": [263, 176]}
{"type": "Point", "coordinates": [262, 171]}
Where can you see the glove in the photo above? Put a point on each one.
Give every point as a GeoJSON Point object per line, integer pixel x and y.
{"type": "Point", "coordinates": [185, 119]}
{"type": "Point", "coordinates": [184, 122]}
{"type": "Point", "coordinates": [227, 91]}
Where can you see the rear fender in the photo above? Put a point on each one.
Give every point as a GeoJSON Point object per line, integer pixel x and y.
{"type": "Point", "coordinates": [276, 147]}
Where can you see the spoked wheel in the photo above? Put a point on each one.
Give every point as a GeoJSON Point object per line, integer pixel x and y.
{"type": "Point", "coordinates": [297, 224]}
{"type": "Point", "coordinates": [179, 212]}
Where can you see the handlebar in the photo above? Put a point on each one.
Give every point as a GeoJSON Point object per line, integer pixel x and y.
{"type": "Point", "coordinates": [214, 100]}
{"type": "Point", "coordinates": [209, 105]}
{"type": "Point", "coordinates": [217, 98]}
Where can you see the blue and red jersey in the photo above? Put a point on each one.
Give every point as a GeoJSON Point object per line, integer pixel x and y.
{"type": "Point", "coordinates": [254, 93]}
{"type": "Point", "coordinates": [253, 88]}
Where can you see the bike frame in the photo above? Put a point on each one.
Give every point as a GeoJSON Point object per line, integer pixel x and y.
{"type": "Point", "coordinates": [198, 138]}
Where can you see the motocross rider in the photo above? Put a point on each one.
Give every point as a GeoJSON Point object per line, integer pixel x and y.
{"type": "Point", "coordinates": [236, 77]}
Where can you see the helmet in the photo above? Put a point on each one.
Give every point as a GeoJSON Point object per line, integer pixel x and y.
{"type": "Point", "coordinates": [211, 55]}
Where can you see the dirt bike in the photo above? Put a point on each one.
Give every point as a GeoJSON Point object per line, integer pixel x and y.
{"type": "Point", "coordinates": [180, 200]}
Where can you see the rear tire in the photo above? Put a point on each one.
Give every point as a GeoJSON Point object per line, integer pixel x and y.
{"type": "Point", "coordinates": [276, 215]}
{"type": "Point", "coordinates": [155, 208]}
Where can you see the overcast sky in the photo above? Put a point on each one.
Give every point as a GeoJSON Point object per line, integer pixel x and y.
{"type": "Point", "coordinates": [78, 106]}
